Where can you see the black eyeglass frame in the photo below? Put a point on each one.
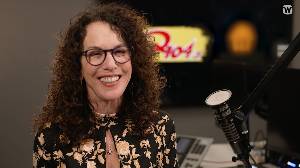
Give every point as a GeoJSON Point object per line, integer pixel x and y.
{"type": "Point", "coordinates": [84, 53]}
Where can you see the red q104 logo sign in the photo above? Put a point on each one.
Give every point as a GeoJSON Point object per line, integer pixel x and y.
{"type": "Point", "coordinates": [180, 44]}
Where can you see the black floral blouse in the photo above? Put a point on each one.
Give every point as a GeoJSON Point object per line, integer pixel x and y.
{"type": "Point", "coordinates": [157, 150]}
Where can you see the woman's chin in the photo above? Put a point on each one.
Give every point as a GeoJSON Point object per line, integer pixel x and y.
{"type": "Point", "coordinates": [111, 96]}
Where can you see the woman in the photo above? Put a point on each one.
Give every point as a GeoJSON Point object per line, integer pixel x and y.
{"type": "Point", "coordinates": [103, 101]}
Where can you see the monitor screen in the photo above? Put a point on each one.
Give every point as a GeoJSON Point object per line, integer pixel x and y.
{"type": "Point", "coordinates": [283, 121]}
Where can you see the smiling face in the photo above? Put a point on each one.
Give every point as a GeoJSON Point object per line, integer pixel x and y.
{"type": "Point", "coordinates": [107, 81]}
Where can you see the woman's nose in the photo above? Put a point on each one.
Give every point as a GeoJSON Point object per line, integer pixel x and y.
{"type": "Point", "coordinates": [109, 62]}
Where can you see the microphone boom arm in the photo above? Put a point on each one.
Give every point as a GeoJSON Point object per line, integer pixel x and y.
{"type": "Point", "coordinates": [275, 69]}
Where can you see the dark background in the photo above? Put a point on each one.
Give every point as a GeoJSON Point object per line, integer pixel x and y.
{"type": "Point", "coordinates": [190, 83]}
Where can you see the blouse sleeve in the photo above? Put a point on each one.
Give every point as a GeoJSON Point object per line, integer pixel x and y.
{"type": "Point", "coordinates": [43, 148]}
{"type": "Point", "coordinates": [169, 142]}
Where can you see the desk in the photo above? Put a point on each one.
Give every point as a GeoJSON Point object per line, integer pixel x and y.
{"type": "Point", "coordinates": [218, 156]}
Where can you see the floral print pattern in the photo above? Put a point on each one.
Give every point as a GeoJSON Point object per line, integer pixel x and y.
{"type": "Point", "coordinates": [157, 150]}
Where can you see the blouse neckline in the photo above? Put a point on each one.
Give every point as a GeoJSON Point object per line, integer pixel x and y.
{"type": "Point", "coordinates": [106, 120]}
{"type": "Point", "coordinates": [105, 115]}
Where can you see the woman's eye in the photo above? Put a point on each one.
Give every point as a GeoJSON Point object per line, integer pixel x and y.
{"type": "Point", "coordinates": [94, 53]}
{"type": "Point", "coordinates": [119, 52]}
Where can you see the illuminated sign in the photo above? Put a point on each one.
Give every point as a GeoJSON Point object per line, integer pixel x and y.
{"type": "Point", "coordinates": [180, 43]}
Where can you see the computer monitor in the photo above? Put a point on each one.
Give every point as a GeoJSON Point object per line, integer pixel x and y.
{"type": "Point", "coordinates": [283, 140]}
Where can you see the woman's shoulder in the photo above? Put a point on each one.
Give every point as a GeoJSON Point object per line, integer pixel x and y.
{"type": "Point", "coordinates": [49, 135]}
{"type": "Point", "coordinates": [49, 128]}
{"type": "Point", "coordinates": [165, 123]}
{"type": "Point", "coordinates": [164, 117]}
{"type": "Point", "coordinates": [165, 128]}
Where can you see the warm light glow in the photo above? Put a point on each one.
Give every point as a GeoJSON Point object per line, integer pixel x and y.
{"type": "Point", "coordinates": [241, 38]}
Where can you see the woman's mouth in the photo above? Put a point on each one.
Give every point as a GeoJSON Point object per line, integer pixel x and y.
{"type": "Point", "coordinates": [109, 79]}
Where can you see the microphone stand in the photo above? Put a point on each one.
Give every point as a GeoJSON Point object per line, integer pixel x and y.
{"type": "Point", "coordinates": [233, 121]}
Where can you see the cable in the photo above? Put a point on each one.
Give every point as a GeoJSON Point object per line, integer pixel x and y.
{"type": "Point", "coordinates": [254, 162]}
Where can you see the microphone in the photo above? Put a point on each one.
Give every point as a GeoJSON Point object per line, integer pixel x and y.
{"type": "Point", "coordinates": [232, 123]}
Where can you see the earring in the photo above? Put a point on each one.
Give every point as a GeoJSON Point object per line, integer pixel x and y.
{"type": "Point", "coordinates": [81, 80]}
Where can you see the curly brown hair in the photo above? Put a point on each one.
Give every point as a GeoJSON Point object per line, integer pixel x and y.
{"type": "Point", "coordinates": [67, 103]}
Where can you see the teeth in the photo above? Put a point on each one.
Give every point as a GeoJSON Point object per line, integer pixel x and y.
{"type": "Point", "coordinates": [109, 79]}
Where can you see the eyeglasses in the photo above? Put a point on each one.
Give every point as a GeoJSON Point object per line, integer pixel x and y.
{"type": "Point", "coordinates": [96, 56]}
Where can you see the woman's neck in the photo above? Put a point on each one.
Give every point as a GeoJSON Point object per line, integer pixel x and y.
{"type": "Point", "coordinates": [105, 107]}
